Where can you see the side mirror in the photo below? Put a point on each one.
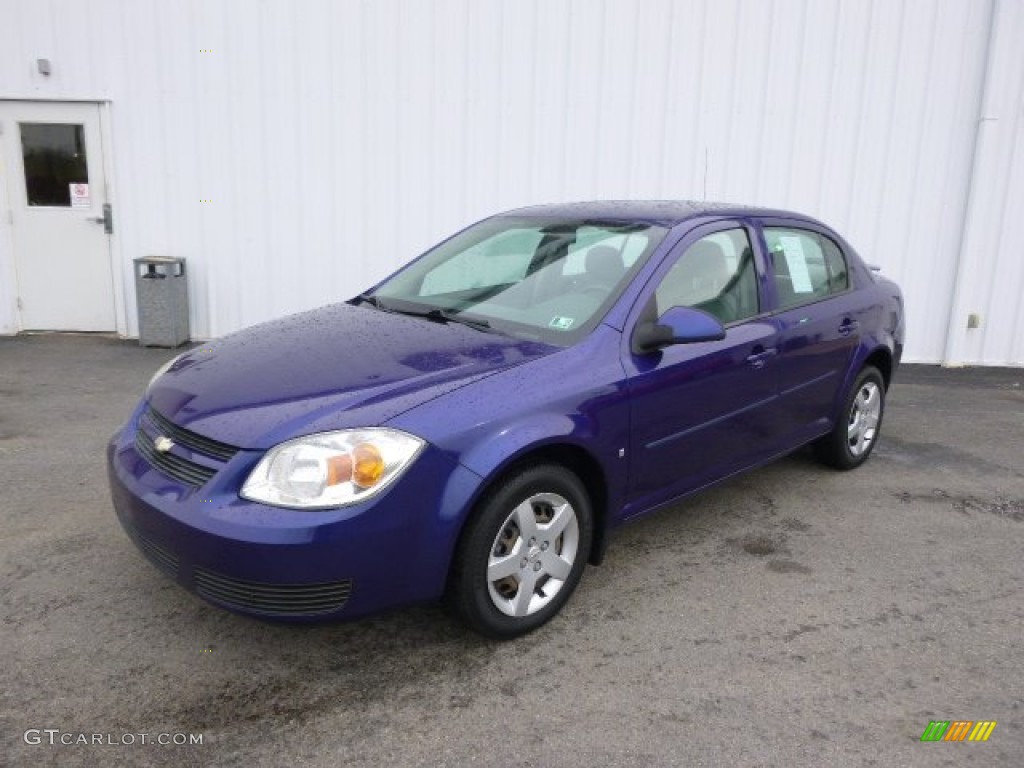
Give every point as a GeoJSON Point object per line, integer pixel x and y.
{"type": "Point", "coordinates": [679, 325]}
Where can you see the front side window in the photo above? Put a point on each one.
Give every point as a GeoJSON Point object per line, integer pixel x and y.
{"type": "Point", "coordinates": [806, 266]}
{"type": "Point", "coordinates": [545, 279]}
{"type": "Point", "coordinates": [715, 274]}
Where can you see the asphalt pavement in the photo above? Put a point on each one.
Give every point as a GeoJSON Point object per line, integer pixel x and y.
{"type": "Point", "coordinates": [792, 616]}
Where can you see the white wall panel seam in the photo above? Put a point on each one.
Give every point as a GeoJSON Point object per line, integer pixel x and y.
{"type": "Point", "coordinates": [952, 354]}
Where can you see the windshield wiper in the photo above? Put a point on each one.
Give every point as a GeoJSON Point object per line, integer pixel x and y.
{"type": "Point", "coordinates": [373, 301]}
{"type": "Point", "coordinates": [434, 313]}
{"type": "Point", "coordinates": [454, 317]}
{"type": "Point", "coordinates": [439, 315]}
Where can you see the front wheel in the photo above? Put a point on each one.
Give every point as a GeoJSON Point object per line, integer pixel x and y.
{"type": "Point", "coordinates": [850, 443]}
{"type": "Point", "coordinates": [523, 552]}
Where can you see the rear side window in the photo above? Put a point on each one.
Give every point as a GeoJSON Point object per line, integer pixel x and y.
{"type": "Point", "coordinates": [806, 266]}
{"type": "Point", "coordinates": [835, 262]}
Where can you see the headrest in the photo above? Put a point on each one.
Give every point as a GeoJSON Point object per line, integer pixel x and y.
{"type": "Point", "coordinates": [604, 264]}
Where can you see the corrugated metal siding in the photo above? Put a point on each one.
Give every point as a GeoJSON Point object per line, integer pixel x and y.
{"type": "Point", "coordinates": [335, 140]}
{"type": "Point", "coordinates": [991, 272]}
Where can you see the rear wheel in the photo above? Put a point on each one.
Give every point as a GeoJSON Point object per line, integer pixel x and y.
{"type": "Point", "coordinates": [850, 443]}
{"type": "Point", "coordinates": [523, 553]}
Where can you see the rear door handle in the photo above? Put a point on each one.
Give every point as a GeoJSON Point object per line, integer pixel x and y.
{"type": "Point", "coordinates": [848, 326]}
{"type": "Point", "coordinates": [758, 359]}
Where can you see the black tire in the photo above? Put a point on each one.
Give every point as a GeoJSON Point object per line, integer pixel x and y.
{"type": "Point", "coordinates": [492, 539]}
{"type": "Point", "coordinates": [841, 448]}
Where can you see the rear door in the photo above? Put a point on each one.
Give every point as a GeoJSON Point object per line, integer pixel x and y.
{"type": "Point", "coordinates": [818, 320]}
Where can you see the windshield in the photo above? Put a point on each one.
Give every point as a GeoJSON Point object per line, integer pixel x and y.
{"type": "Point", "coordinates": [544, 279]}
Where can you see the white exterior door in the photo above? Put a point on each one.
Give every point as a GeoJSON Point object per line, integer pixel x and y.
{"type": "Point", "coordinates": [51, 165]}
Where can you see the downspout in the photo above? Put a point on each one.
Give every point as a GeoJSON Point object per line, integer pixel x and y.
{"type": "Point", "coordinates": [956, 322]}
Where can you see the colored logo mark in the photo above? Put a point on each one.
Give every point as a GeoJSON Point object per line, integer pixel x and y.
{"type": "Point", "coordinates": [958, 730]}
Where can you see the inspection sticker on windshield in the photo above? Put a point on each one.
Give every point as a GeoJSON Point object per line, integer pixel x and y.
{"type": "Point", "coordinates": [561, 323]}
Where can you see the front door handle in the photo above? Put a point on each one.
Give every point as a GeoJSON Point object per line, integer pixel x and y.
{"type": "Point", "coordinates": [848, 326]}
{"type": "Point", "coordinates": [760, 356]}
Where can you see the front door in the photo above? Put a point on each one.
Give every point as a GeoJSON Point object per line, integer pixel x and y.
{"type": "Point", "coordinates": [51, 165]}
{"type": "Point", "coordinates": [701, 411]}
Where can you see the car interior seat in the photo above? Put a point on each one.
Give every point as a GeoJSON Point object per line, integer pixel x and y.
{"type": "Point", "coordinates": [710, 275]}
{"type": "Point", "coordinates": [603, 267]}
{"type": "Point", "coordinates": [786, 295]}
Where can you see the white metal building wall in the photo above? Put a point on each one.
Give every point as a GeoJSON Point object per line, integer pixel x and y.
{"type": "Point", "coordinates": [990, 271]}
{"type": "Point", "coordinates": [335, 140]}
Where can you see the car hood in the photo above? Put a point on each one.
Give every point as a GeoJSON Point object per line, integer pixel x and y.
{"type": "Point", "coordinates": [331, 368]}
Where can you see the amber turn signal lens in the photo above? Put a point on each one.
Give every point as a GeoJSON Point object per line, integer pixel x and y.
{"type": "Point", "coordinates": [339, 469]}
{"type": "Point", "coordinates": [369, 465]}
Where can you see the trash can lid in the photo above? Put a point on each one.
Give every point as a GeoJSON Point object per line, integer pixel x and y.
{"type": "Point", "coordinates": [159, 260]}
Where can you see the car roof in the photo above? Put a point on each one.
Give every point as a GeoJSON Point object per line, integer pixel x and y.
{"type": "Point", "coordinates": [662, 212]}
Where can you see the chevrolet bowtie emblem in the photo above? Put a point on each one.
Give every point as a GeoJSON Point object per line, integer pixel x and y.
{"type": "Point", "coordinates": [163, 444]}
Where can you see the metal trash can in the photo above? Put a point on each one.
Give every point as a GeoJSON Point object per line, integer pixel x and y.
{"type": "Point", "coordinates": [161, 293]}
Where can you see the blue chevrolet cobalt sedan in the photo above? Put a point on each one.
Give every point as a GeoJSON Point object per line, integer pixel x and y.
{"type": "Point", "coordinates": [474, 427]}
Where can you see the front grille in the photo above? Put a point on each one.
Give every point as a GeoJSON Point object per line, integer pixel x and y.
{"type": "Point", "coordinates": [273, 599]}
{"type": "Point", "coordinates": [180, 469]}
{"type": "Point", "coordinates": [187, 439]}
{"type": "Point", "coordinates": [185, 470]}
{"type": "Point", "coordinates": [159, 556]}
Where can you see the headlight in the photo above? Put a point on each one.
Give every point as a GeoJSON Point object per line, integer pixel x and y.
{"type": "Point", "coordinates": [164, 368]}
{"type": "Point", "coordinates": [331, 469]}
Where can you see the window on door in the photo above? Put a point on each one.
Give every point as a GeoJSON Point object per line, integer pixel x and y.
{"type": "Point", "coordinates": [54, 159]}
{"type": "Point", "coordinates": [715, 274]}
{"type": "Point", "coordinates": [807, 266]}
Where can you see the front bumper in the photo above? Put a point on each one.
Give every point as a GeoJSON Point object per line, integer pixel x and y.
{"type": "Point", "coordinates": [291, 564]}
